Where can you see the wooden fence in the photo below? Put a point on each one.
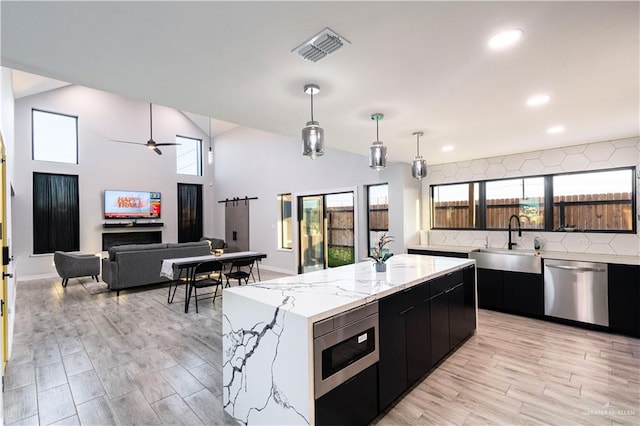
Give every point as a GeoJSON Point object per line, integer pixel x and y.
{"type": "Point", "coordinates": [340, 223]}
{"type": "Point", "coordinates": [611, 211]}
{"type": "Point", "coordinates": [340, 226]}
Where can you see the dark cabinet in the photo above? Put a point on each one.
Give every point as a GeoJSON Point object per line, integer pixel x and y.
{"type": "Point", "coordinates": [439, 327]}
{"type": "Point", "coordinates": [490, 289]}
{"type": "Point", "coordinates": [624, 299]}
{"type": "Point", "coordinates": [337, 407]}
{"type": "Point", "coordinates": [419, 326]}
{"type": "Point", "coordinates": [438, 253]}
{"type": "Point", "coordinates": [523, 293]}
{"type": "Point", "coordinates": [418, 341]}
{"type": "Point", "coordinates": [469, 299]}
{"type": "Point", "coordinates": [392, 366]}
{"type": "Point", "coordinates": [404, 341]}
{"type": "Point", "coordinates": [514, 292]}
{"type": "Point", "coordinates": [457, 331]}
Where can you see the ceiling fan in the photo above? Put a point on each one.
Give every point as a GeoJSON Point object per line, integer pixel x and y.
{"type": "Point", "coordinates": [151, 144]}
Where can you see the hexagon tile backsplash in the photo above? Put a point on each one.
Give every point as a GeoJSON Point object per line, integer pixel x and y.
{"type": "Point", "coordinates": [593, 156]}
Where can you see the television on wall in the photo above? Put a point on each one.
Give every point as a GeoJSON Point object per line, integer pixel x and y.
{"type": "Point", "coordinates": [131, 204]}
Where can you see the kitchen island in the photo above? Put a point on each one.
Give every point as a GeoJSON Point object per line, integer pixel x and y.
{"type": "Point", "coordinates": [268, 329]}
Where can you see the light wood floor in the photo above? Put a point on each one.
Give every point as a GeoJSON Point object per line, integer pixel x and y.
{"type": "Point", "coordinates": [83, 356]}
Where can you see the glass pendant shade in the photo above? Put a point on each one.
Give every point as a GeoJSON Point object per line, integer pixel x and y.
{"type": "Point", "coordinates": [312, 140]}
{"type": "Point", "coordinates": [378, 156]}
{"type": "Point", "coordinates": [419, 164]}
{"type": "Point", "coordinates": [312, 134]}
{"type": "Point", "coordinates": [419, 167]}
{"type": "Point", "coordinates": [210, 152]}
{"type": "Point", "coordinates": [377, 151]}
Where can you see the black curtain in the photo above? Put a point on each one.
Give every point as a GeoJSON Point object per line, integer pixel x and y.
{"type": "Point", "coordinates": [56, 213]}
{"type": "Point", "coordinates": [189, 212]}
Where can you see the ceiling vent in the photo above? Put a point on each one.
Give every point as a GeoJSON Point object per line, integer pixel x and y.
{"type": "Point", "coordinates": [320, 45]}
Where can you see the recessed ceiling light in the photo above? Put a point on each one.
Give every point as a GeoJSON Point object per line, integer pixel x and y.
{"type": "Point", "coordinates": [447, 148]}
{"type": "Point", "coordinates": [537, 100]}
{"type": "Point", "coordinates": [555, 130]}
{"type": "Point", "coordinates": [505, 39]}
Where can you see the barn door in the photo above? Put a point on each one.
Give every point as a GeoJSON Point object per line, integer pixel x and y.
{"type": "Point", "coordinates": [236, 214]}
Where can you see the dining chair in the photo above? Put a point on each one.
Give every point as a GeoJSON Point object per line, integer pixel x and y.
{"type": "Point", "coordinates": [237, 273]}
{"type": "Point", "coordinates": [205, 274]}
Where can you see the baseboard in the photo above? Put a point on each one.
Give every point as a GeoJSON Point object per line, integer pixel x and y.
{"type": "Point", "coordinates": [274, 269]}
{"type": "Point", "coordinates": [37, 277]}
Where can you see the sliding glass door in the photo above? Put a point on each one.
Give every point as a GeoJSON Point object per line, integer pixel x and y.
{"type": "Point", "coordinates": [326, 231]}
{"type": "Point", "coordinates": [312, 232]}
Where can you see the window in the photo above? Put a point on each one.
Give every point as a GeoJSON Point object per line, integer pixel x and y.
{"type": "Point", "coordinates": [455, 206]}
{"type": "Point", "coordinates": [56, 215]}
{"type": "Point", "coordinates": [594, 201]}
{"type": "Point", "coordinates": [188, 156]}
{"type": "Point", "coordinates": [602, 200]}
{"type": "Point", "coordinates": [285, 232]}
{"type": "Point", "coordinates": [54, 137]}
{"type": "Point", "coordinates": [377, 212]}
{"type": "Point", "coordinates": [521, 197]}
{"type": "Point", "coordinates": [189, 212]}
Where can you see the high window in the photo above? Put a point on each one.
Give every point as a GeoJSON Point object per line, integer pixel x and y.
{"type": "Point", "coordinates": [455, 206]}
{"type": "Point", "coordinates": [523, 197]}
{"type": "Point", "coordinates": [285, 232]}
{"type": "Point", "coordinates": [54, 137]}
{"type": "Point", "coordinates": [602, 200]}
{"type": "Point", "coordinates": [188, 156]}
{"type": "Point", "coordinates": [377, 212]}
{"type": "Point", "coordinates": [594, 201]}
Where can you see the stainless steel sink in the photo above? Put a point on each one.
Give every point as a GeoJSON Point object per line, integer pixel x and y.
{"type": "Point", "coordinates": [508, 260]}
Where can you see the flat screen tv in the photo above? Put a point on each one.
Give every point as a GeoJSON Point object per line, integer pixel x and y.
{"type": "Point", "coordinates": [131, 204]}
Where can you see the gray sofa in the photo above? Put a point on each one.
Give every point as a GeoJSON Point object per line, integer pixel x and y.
{"type": "Point", "coordinates": [136, 265]}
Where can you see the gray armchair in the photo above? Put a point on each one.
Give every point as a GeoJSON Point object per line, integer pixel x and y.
{"type": "Point", "coordinates": [73, 265]}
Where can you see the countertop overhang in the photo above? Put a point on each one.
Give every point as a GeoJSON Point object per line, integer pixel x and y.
{"type": "Point", "coordinates": [321, 294]}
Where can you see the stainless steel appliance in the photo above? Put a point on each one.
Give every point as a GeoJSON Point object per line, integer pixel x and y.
{"type": "Point", "coordinates": [343, 346]}
{"type": "Point", "coordinates": [576, 291]}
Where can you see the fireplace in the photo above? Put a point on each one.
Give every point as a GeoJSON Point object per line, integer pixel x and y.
{"type": "Point", "coordinates": [110, 239]}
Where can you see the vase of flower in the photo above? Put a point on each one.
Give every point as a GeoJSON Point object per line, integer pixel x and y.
{"type": "Point", "coordinates": [380, 254]}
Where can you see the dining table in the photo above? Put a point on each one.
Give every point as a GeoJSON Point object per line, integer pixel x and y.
{"type": "Point", "coordinates": [176, 269]}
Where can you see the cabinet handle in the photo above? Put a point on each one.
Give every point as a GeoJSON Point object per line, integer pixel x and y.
{"type": "Point", "coordinates": [407, 310]}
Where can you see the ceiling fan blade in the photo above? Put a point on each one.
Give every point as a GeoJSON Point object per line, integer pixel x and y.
{"type": "Point", "coordinates": [157, 151]}
{"type": "Point", "coordinates": [167, 144]}
{"type": "Point", "coordinates": [134, 143]}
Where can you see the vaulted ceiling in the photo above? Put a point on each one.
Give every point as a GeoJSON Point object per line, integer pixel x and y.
{"type": "Point", "coordinates": [424, 65]}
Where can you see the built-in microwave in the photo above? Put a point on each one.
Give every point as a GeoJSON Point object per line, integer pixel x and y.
{"type": "Point", "coordinates": [343, 346]}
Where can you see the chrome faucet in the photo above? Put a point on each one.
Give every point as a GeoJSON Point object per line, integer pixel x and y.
{"type": "Point", "coordinates": [519, 230]}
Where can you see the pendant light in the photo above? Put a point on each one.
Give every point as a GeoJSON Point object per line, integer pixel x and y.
{"type": "Point", "coordinates": [210, 153]}
{"type": "Point", "coordinates": [312, 134]}
{"type": "Point", "coordinates": [419, 164]}
{"type": "Point", "coordinates": [377, 152]}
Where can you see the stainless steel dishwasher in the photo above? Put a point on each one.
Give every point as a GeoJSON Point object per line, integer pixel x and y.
{"type": "Point", "coordinates": [576, 291]}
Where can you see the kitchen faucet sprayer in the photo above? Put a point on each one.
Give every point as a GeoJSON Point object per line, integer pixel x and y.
{"type": "Point", "coordinates": [511, 244]}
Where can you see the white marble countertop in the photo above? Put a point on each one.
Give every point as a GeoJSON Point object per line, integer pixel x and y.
{"type": "Point", "coordinates": [545, 254]}
{"type": "Point", "coordinates": [321, 294]}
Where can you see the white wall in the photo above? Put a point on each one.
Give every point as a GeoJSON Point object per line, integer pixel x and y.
{"type": "Point", "coordinates": [103, 164]}
{"type": "Point", "coordinates": [590, 156]}
{"type": "Point", "coordinates": [254, 163]}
